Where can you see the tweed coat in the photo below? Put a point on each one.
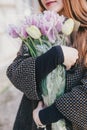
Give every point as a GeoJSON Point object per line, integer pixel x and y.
{"type": "Point", "coordinates": [73, 104]}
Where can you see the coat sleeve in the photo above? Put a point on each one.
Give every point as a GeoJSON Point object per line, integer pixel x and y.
{"type": "Point", "coordinates": [22, 73]}
{"type": "Point", "coordinates": [26, 72]}
{"type": "Point", "coordinates": [73, 105]}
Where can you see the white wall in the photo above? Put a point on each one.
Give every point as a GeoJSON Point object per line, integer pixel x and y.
{"type": "Point", "coordinates": [10, 12]}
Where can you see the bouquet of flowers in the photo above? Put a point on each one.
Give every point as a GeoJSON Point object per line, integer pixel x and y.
{"type": "Point", "coordinates": [40, 32]}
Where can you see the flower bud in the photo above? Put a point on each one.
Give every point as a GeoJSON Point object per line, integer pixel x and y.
{"type": "Point", "coordinates": [68, 26]}
{"type": "Point", "coordinates": [34, 32]}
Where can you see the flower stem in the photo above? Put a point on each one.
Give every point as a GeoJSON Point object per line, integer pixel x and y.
{"type": "Point", "coordinates": [32, 42]}
{"type": "Point", "coordinates": [40, 41]}
{"type": "Point", "coordinates": [31, 50]}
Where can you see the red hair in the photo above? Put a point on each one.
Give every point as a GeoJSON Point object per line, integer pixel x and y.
{"type": "Point", "coordinates": [77, 9]}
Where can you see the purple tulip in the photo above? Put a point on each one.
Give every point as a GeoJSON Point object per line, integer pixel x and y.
{"type": "Point", "coordinates": [49, 23]}
{"type": "Point", "coordinates": [24, 34]}
{"type": "Point", "coordinates": [32, 20]}
{"type": "Point", "coordinates": [51, 36]}
{"type": "Point", "coordinates": [13, 31]}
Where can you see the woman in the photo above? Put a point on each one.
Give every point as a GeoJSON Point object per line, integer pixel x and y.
{"type": "Point", "coordinates": [73, 103]}
{"type": "Point", "coordinates": [26, 73]}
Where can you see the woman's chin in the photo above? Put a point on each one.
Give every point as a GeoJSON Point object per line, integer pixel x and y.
{"type": "Point", "coordinates": [54, 8]}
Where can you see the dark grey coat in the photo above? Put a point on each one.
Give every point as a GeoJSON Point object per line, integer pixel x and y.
{"type": "Point", "coordinates": [73, 104]}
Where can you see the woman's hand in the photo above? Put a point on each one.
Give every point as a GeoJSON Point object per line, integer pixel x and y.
{"type": "Point", "coordinates": [36, 114]}
{"type": "Point", "coordinates": [70, 56]}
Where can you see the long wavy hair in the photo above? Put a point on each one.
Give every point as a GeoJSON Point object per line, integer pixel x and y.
{"type": "Point", "coordinates": [77, 9]}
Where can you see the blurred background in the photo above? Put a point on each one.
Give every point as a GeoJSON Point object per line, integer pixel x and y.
{"type": "Point", "coordinates": [11, 11]}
